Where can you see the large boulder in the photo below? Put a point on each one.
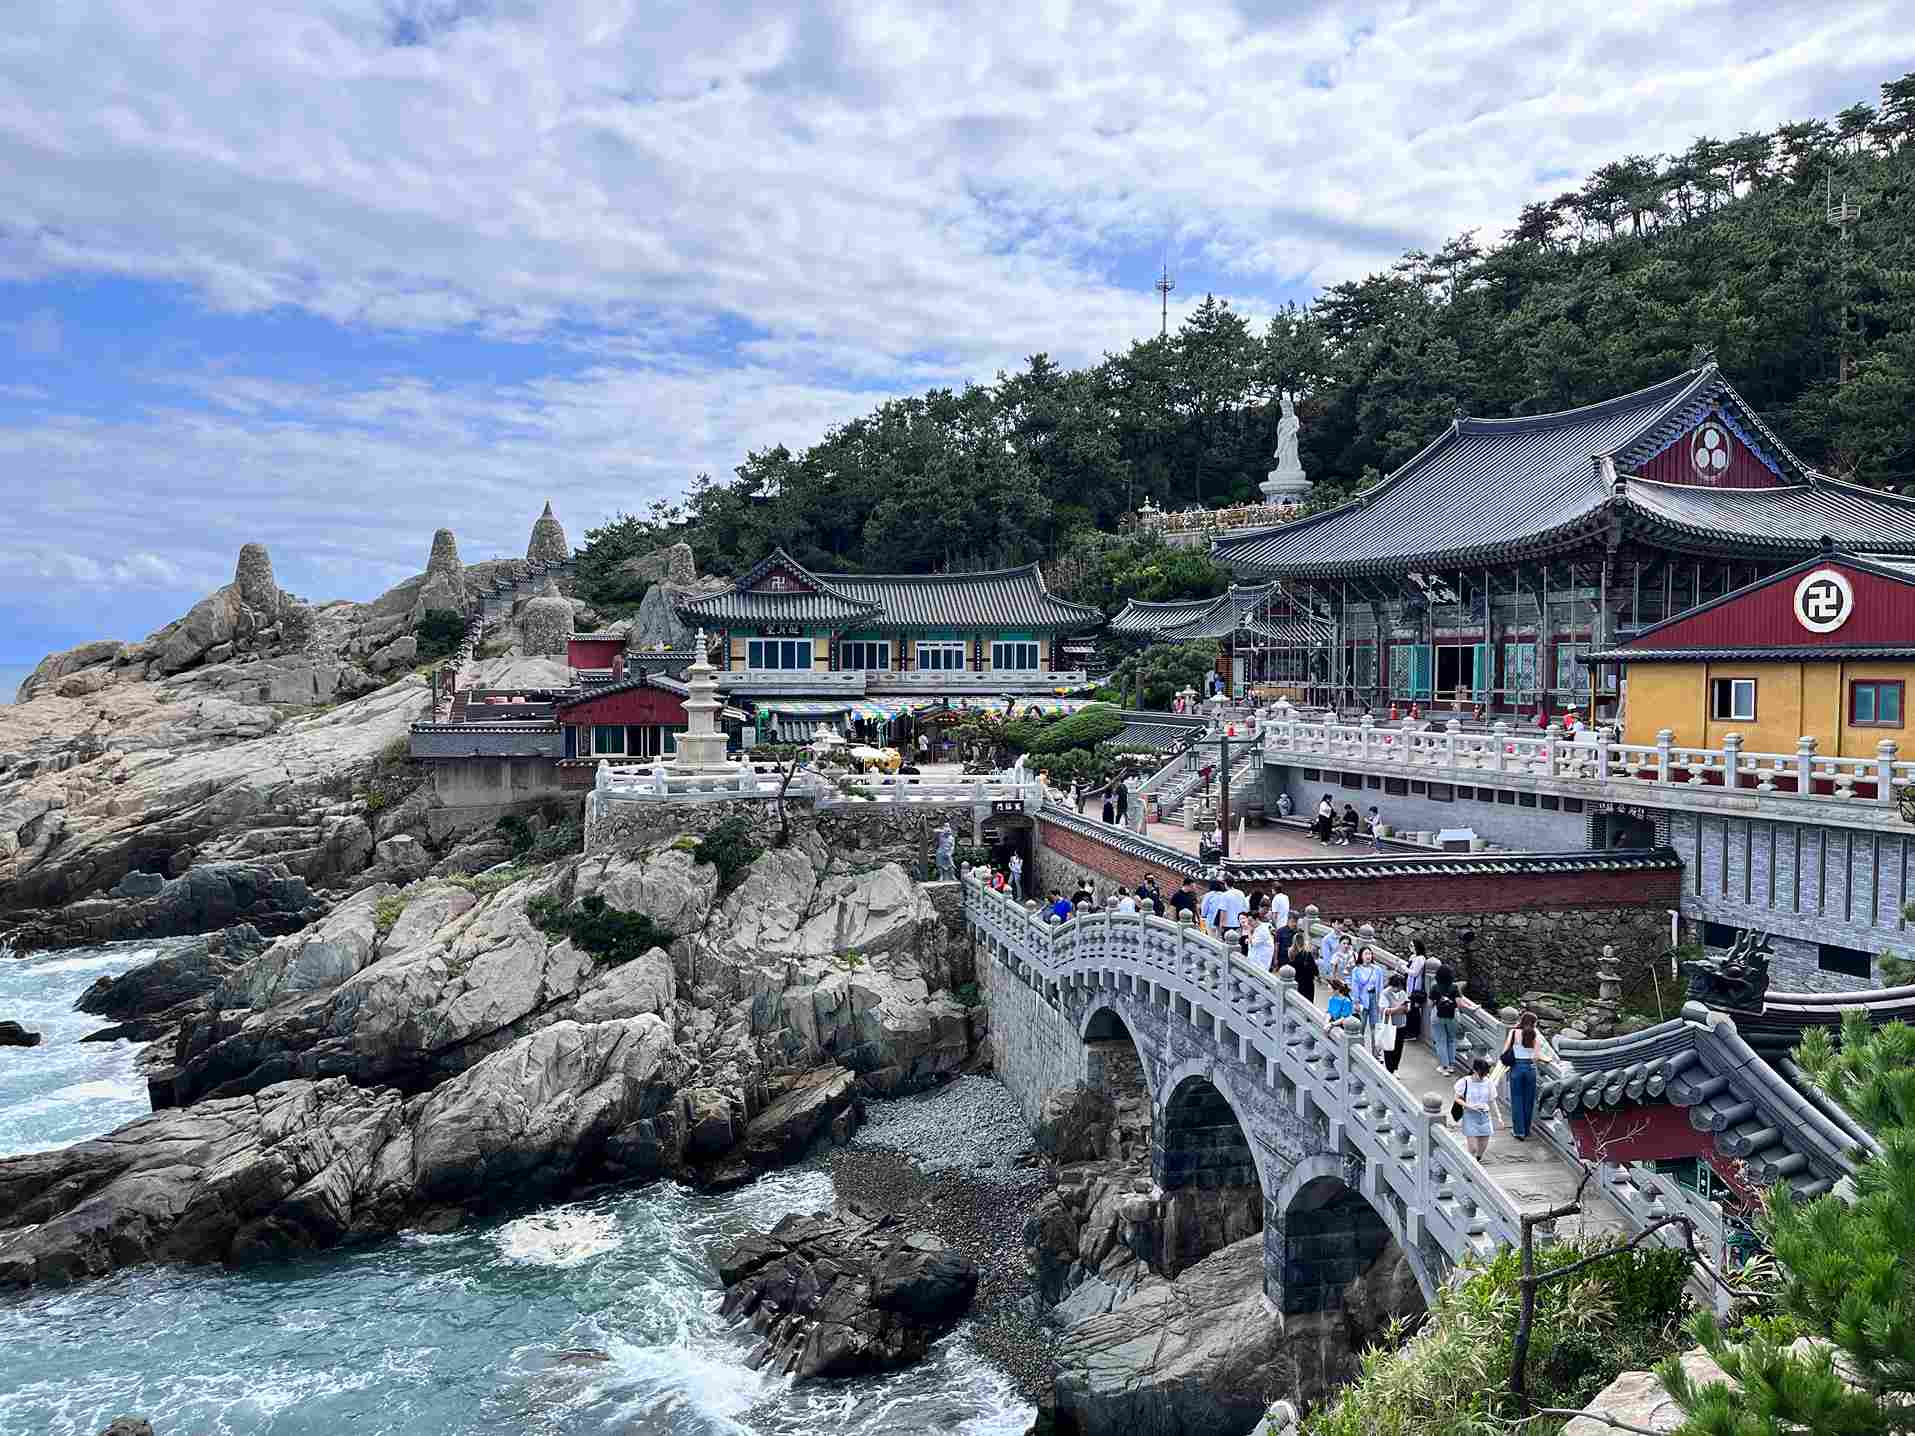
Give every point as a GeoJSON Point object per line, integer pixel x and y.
{"type": "Point", "coordinates": [672, 564]}
{"type": "Point", "coordinates": [263, 894]}
{"type": "Point", "coordinates": [56, 666]}
{"type": "Point", "coordinates": [1202, 1353]}
{"type": "Point", "coordinates": [803, 1112]}
{"type": "Point", "coordinates": [306, 1165]}
{"type": "Point", "coordinates": [12, 1034]}
{"type": "Point", "coordinates": [183, 975]}
{"type": "Point", "coordinates": [547, 623]}
{"type": "Point", "coordinates": [1073, 1123]}
{"type": "Point", "coordinates": [845, 1292]}
{"type": "Point", "coordinates": [315, 960]}
{"type": "Point", "coordinates": [1639, 1399]}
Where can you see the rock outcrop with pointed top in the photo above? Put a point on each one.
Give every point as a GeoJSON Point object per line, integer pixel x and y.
{"type": "Point", "coordinates": [444, 585]}
{"type": "Point", "coordinates": [548, 543]}
{"type": "Point", "coordinates": [547, 623]}
{"type": "Point", "coordinates": [253, 577]}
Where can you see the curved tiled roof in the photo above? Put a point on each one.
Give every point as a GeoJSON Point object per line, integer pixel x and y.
{"type": "Point", "coordinates": [996, 598]}
{"type": "Point", "coordinates": [1753, 1110]}
{"type": "Point", "coordinates": [1005, 598]}
{"type": "Point", "coordinates": [1490, 490]}
{"type": "Point", "coordinates": [1154, 619]}
{"type": "Point", "coordinates": [1791, 518]}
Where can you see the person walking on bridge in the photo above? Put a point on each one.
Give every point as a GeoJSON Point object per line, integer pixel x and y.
{"type": "Point", "coordinates": [1476, 1103]}
{"type": "Point", "coordinates": [1292, 949]}
{"type": "Point", "coordinates": [1366, 991]}
{"type": "Point", "coordinates": [1262, 947]}
{"type": "Point", "coordinates": [1523, 1048]}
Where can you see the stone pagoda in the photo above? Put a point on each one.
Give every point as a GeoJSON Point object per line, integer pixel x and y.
{"type": "Point", "coordinates": [701, 747]}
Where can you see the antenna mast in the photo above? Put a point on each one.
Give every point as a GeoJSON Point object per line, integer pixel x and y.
{"type": "Point", "coordinates": [1163, 287]}
{"type": "Point", "coordinates": [1842, 213]}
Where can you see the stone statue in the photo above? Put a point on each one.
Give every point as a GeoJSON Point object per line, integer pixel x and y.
{"type": "Point", "coordinates": [1736, 980]}
{"type": "Point", "coordinates": [1287, 482]}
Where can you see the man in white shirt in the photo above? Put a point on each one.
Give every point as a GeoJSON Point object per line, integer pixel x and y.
{"type": "Point", "coordinates": [1126, 903]}
{"type": "Point", "coordinates": [1262, 950]}
{"type": "Point", "coordinates": [1232, 906]}
{"type": "Point", "coordinates": [1279, 910]}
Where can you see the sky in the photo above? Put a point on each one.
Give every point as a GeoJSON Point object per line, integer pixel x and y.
{"type": "Point", "coordinates": [331, 275]}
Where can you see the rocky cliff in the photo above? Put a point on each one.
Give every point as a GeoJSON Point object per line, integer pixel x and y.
{"type": "Point", "coordinates": [446, 1045]}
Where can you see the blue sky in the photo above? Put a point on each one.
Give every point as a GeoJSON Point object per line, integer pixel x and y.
{"type": "Point", "coordinates": [329, 275]}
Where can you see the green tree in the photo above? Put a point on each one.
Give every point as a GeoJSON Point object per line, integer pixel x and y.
{"type": "Point", "coordinates": [623, 536]}
{"type": "Point", "coordinates": [1165, 670]}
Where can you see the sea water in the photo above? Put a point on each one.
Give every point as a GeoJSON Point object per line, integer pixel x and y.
{"type": "Point", "coordinates": [593, 1316]}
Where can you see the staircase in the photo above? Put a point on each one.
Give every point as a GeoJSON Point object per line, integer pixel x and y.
{"type": "Point", "coordinates": [1198, 810]}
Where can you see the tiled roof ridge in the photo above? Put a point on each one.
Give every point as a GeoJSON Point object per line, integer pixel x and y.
{"type": "Point", "coordinates": [1681, 387]}
{"type": "Point", "coordinates": [780, 555]}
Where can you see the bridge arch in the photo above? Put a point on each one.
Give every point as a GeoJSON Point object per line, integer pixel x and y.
{"type": "Point", "coordinates": [1114, 1060]}
{"type": "Point", "coordinates": [1332, 1234]}
{"type": "Point", "coordinates": [1213, 1176]}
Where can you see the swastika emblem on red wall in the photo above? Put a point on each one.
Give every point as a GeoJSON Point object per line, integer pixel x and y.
{"type": "Point", "coordinates": [1823, 601]}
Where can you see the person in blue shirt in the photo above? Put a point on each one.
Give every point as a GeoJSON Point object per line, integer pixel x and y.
{"type": "Point", "coordinates": [1366, 988]}
{"type": "Point", "coordinates": [1327, 947]}
{"type": "Point", "coordinates": [1207, 911]}
{"type": "Point", "coordinates": [1339, 1005]}
{"type": "Point", "coordinates": [1060, 906]}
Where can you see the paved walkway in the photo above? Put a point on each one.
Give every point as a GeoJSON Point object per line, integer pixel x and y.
{"type": "Point", "coordinates": [1534, 1174]}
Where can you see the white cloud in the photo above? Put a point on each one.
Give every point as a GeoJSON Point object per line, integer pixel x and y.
{"type": "Point", "coordinates": [749, 218]}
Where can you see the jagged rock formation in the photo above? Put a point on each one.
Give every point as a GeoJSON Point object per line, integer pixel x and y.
{"type": "Point", "coordinates": [672, 577]}
{"type": "Point", "coordinates": [844, 1292]}
{"type": "Point", "coordinates": [672, 564]}
{"type": "Point", "coordinates": [546, 623]}
{"type": "Point", "coordinates": [379, 1063]}
{"type": "Point", "coordinates": [1197, 1354]}
{"type": "Point", "coordinates": [548, 543]}
{"type": "Point", "coordinates": [305, 1165]}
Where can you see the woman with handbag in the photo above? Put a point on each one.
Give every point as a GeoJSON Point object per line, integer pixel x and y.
{"type": "Point", "coordinates": [1475, 1108]}
{"type": "Point", "coordinates": [1396, 1017]}
{"type": "Point", "coordinates": [1523, 1048]}
{"type": "Point", "coordinates": [1419, 973]}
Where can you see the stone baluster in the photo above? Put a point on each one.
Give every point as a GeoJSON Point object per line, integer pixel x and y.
{"type": "Point", "coordinates": [1605, 753]}
{"type": "Point", "coordinates": [1804, 766]}
{"type": "Point", "coordinates": [1552, 747]}
{"type": "Point", "coordinates": [1665, 740]}
{"type": "Point", "coordinates": [1450, 730]}
{"type": "Point", "coordinates": [1731, 760]}
{"type": "Point", "coordinates": [1885, 752]}
{"type": "Point", "coordinates": [1366, 737]}
{"type": "Point", "coordinates": [1499, 744]}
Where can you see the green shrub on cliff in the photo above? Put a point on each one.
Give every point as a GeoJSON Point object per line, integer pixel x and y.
{"type": "Point", "coordinates": [729, 847]}
{"type": "Point", "coordinates": [439, 633]}
{"type": "Point", "coordinates": [1450, 1379]}
{"type": "Point", "coordinates": [608, 934]}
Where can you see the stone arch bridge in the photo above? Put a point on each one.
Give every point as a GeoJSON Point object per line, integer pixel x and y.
{"type": "Point", "coordinates": [1249, 1082]}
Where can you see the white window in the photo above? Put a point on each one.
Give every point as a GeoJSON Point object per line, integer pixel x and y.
{"type": "Point", "coordinates": [1732, 698]}
{"type": "Point", "coordinates": [1017, 656]}
{"type": "Point", "coordinates": [862, 653]}
{"type": "Point", "coordinates": [778, 653]}
{"type": "Point", "coordinates": [946, 657]}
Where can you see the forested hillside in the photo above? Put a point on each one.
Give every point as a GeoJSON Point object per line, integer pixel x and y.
{"type": "Point", "coordinates": [1653, 262]}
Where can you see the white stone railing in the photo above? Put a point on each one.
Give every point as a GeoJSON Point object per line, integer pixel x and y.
{"type": "Point", "coordinates": [965, 680]}
{"type": "Point", "coordinates": [653, 782]}
{"type": "Point", "coordinates": [1595, 756]}
{"type": "Point", "coordinates": [823, 681]}
{"type": "Point", "coordinates": [1262, 1021]}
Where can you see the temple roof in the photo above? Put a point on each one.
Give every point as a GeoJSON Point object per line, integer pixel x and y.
{"type": "Point", "coordinates": [1753, 1109]}
{"type": "Point", "coordinates": [1005, 598]}
{"type": "Point", "coordinates": [1217, 617]}
{"type": "Point", "coordinates": [1490, 490]}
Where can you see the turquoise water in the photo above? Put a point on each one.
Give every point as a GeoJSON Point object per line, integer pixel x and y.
{"type": "Point", "coordinates": [462, 1333]}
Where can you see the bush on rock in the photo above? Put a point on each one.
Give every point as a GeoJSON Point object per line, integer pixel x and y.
{"type": "Point", "coordinates": [608, 934]}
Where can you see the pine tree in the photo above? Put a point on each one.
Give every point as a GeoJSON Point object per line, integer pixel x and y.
{"type": "Point", "coordinates": [1850, 1268]}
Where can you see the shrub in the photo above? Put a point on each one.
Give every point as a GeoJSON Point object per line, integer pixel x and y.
{"type": "Point", "coordinates": [608, 934]}
{"type": "Point", "coordinates": [387, 911]}
{"type": "Point", "coordinates": [1451, 1380]}
{"type": "Point", "coordinates": [517, 831]}
{"type": "Point", "coordinates": [728, 846]}
{"type": "Point", "coordinates": [558, 841]}
{"type": "Point", "coordinates": [490, 881]}
{"type": "Point", "coordinates": [1085, 728]}
{"type": "Point", "coordinates": [439, 634]}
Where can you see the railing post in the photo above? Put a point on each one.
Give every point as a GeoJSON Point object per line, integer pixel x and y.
{"type": "Point", "coordinates": [1425, 1141]}
{"type": "Point", "coordinates": [1731, 760]}
{"type": "Point", "coordinates": [1665, 740]}
{"type": "Point", "coordinates": [1366, 737]}
{"type": "Point", "coordinates": [1804, 766]}
{"type": "Point", "coordinates": [1450, 730]}
{"type": "Point", "coordinates": [1885, 752]}
{"type": "Point", "coordinates": [1604, 738]}
{"type": "Point", "coordinates": [1552, 746]}
{"type": "Point", "coordinates": [1499, 731]}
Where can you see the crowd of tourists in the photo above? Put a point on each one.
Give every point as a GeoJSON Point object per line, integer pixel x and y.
{"type": "Point", "coordinates": [1393, 1009]}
